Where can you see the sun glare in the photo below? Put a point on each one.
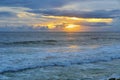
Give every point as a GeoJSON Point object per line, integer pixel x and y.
{"type": "Point", "coordinates": [69, 24]}
{"type": "Point", "coordinates": [72, 28]}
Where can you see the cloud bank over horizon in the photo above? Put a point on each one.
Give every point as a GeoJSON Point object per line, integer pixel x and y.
{"type": "Point", "coordinates": [58, 15]}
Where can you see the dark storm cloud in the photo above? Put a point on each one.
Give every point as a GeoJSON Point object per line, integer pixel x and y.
{"type": "Point", "coordinates": [82, 14]}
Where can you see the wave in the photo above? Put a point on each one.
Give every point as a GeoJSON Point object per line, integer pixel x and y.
{"type": "Point", "coordinates": [51, 42]}
{"type": "Point", "coordinates": [18, 62]}
{"type": "Point", "coordinates": [98, 38]}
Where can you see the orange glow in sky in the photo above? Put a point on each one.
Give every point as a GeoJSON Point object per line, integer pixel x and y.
{"type": "Point", "coordinates": [93, 20]}
{"type": "Point", "coordinates": [71, 24]}
{"type": "Point", "coordinates": [74, 28]}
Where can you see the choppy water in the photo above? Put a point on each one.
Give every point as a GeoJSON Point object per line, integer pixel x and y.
{"type": "Point", "coordinates": [26, 50]}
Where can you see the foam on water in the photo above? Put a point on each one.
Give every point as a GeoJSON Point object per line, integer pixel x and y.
{"type": "Point", "coordinates": [41, 58]}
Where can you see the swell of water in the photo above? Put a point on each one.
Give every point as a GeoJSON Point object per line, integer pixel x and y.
{"type": "Point", "coordinates": [17, 50]}
{"type": "Point", "coordinates": [23, 61]}
{"type": "Point", "coordinates": [47, 42]}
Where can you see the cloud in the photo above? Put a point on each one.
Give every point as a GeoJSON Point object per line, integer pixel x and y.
{"type": "Point", "coordinates": [34, 4]}
{"type": "Point", "coordinates": [6, 14]}
{"type": "Point", "coordinates": [82, 14]}
{"type": "Point", "coordinates": [25, 15]}
{"type": "Point", "coordinates": [96, 24]}
{"type": "Point", "coordinates": [95, 5]}
{"type": "Point", "coordinates": [29, 12]}
{"type": "Point", "coordinates": [22, 28]}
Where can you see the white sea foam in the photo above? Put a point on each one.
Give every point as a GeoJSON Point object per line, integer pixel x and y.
{"type": "Point", "coordinates": [19, 61]}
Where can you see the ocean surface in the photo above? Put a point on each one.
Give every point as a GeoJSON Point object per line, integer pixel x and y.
{"type": "Point", "coordinates": [29, 50]}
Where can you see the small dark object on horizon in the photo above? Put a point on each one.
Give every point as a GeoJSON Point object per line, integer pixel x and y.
{"type": "Point", "coordinates": [114, 79]}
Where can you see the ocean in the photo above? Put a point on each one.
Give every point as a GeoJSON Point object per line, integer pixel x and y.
{"type": "Point", "coordinates": [20, 51]}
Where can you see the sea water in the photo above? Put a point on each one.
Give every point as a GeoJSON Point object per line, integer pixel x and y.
{"type": "Point", "coordinates": [21, 51]}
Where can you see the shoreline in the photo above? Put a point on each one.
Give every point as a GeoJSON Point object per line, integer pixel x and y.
{"type": "Point", "coordinates": [90, 71]}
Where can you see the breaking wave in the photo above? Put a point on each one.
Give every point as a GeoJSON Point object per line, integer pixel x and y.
{"type": "Point", "coordinates": [18, 62]}
{"type": "Point", "coordinates": [30, 42]}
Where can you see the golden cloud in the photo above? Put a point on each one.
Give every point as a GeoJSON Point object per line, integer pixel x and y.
{"type": "Point", "coordinates": [69, 23]}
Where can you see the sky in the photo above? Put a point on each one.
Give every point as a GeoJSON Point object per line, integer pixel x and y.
{"type": "Point", "coordinates": [60, 15]}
